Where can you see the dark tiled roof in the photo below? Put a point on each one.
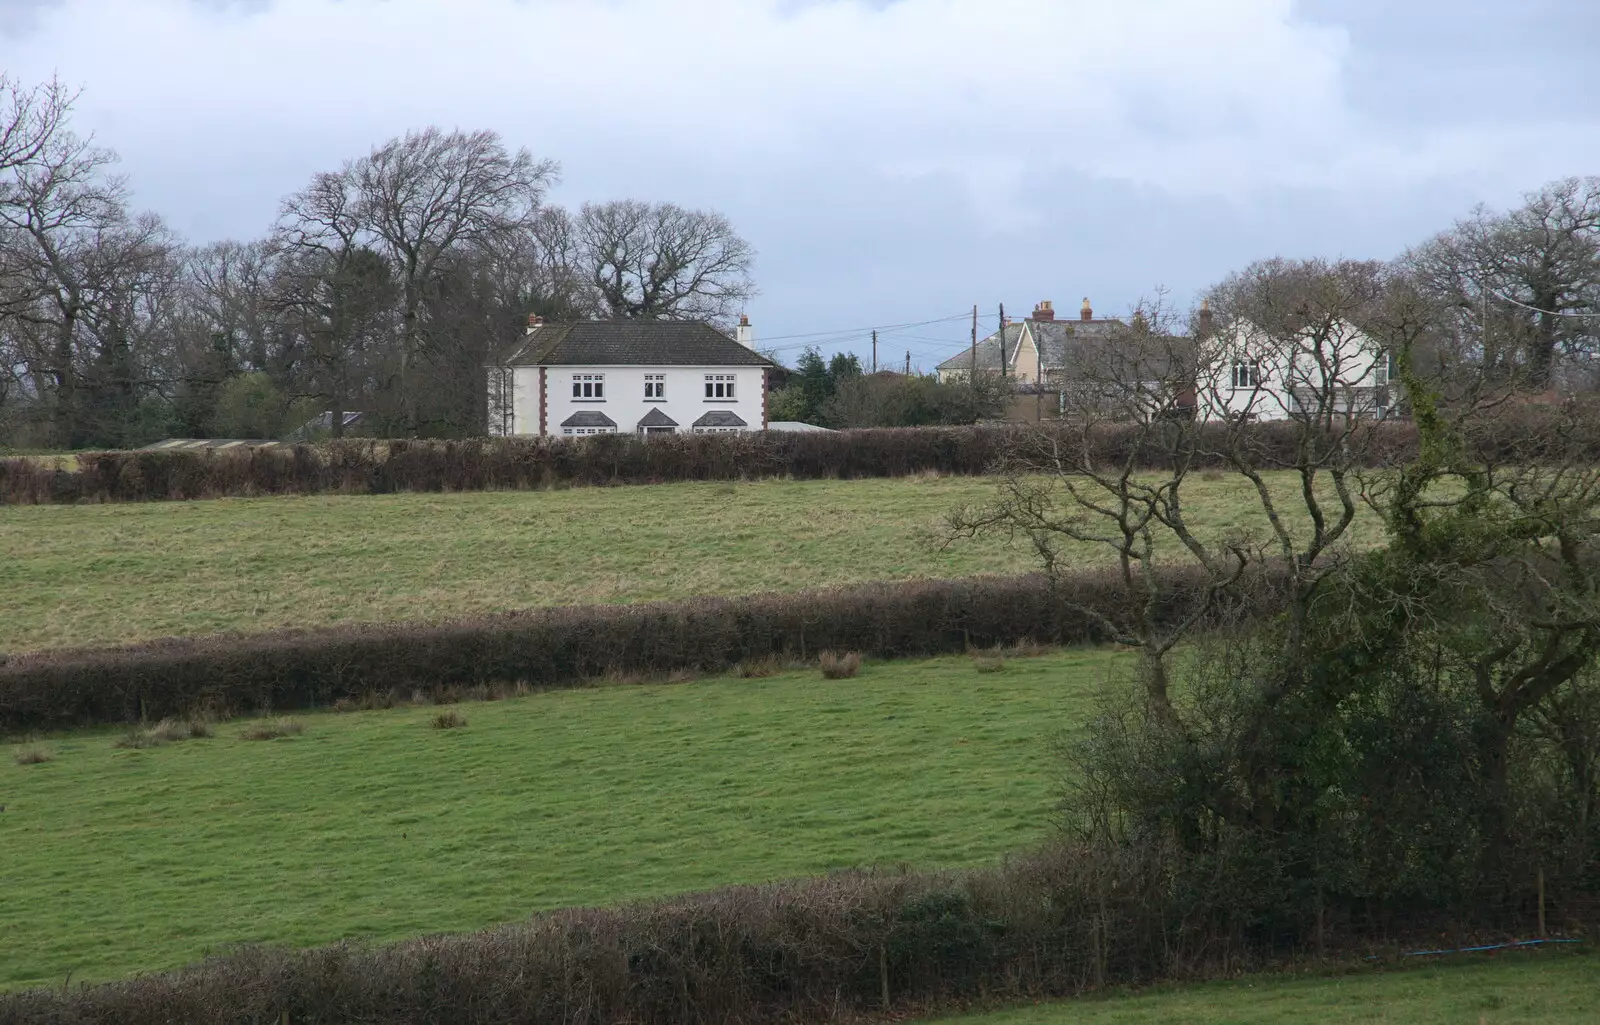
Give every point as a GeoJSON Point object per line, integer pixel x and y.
{"type": "Point", "coordinates": [588, 418]}
{"type": "Point", "coordinates": [656, 418]}
{"type": "Point", "coordinates": [720, 418]}
{"type": "Point", "coordinates": [683, 343]}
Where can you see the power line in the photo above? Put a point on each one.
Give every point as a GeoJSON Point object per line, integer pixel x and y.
{"type": "Point", "coordinates": [1535, 309]}
{"type": "Point", "coordinates": [863, 330]}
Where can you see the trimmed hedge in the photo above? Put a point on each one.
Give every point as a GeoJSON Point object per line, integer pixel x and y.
{"type": "Point", "coordinates": [359, 467]}
{"type": "Point", "coordinates": [816, 950]}
{"type": "Point", "coordinates": [554, 647]}
{"type": "Point", "coordinates": [385, 467]}
{"type": "Point", "coordinates": [840, 948]}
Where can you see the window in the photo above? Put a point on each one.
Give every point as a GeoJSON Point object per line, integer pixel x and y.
{"type": "Point", "coordinates": [1246, 375]}
{"type": "Point", "coordinates": [1383, 370]}
{"type": "Point", "coordinates": [589, 386]}
{"type": "Point", "coordinates": [588, 430]}
{"type": "Point", "coordinates": [717, 430]}
{"type": "Point", "coordinates": [655, 386]}
{"type": "Point", "coordinates": [719, 386]}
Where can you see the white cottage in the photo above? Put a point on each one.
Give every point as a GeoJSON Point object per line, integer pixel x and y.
{"type": "Point", "coordinates": [1331, 368]}
{"type": "Point", "coordinates": [629, 376]}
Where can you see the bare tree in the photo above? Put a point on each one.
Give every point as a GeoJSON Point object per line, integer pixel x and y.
{"type": "Point", "coordinates": [1521, 285]}
{"type": "Point", "coordinates": [432, 194]}
{"type": "Point", "coordinates": [31, 120]}
{"type": "Point", "coordinates": [1112, 475]}
{"type": "Point", "coordinates": [334, 291]}
{"type": "Point", "coordinates": [662, 261]}
{"type": "Point", "coordinates": [84, 262]}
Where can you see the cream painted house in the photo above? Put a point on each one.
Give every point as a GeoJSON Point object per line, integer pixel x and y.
{"type": "Point", "coordinates": [628, 377]}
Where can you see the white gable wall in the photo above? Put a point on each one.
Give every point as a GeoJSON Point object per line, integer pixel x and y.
{"type": "Point", "coordinates": [625, 402]}
{"type": "Point", "coordinates": [1357, 364]}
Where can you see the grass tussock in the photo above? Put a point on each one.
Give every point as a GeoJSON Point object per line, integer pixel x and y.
{"type": "Point", "coordinates": [993, 663]}
{"type": "Point", "coordinates": [32, 754]}
{"type": "Point", "coordinates": [451, 720]}
{"type": "Point", "coordinates": [272, 729]}
{"type": "Point", "coordinates": [760, 668]}
{"type": "Point", "coordinates": [839, 667]}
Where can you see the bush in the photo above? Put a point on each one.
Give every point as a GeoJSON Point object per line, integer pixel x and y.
{"type": "Point", "coordinates": [840, 667]}
{"type": "Point", "coordinates": [272, 729]}
{"type": "Point", "coordinates": [33, 754]}
{"type": "Point", "coordinates": [992, 663]}
{"type": "Point", "coordinates": [448, 721]}
{"type": "Point", "coordinates": [561, 647]}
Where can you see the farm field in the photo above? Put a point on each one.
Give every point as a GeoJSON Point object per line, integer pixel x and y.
{"type": "Point", "coordinates": [103, 574]}
{"type": "Point", "coordinates": [376, 825]}
{"type": "Point", "coordinates": [1540, 989]}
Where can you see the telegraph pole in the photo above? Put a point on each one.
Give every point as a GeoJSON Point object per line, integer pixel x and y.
{"type": "Point", "coordinates": [908, 362]}
{"type": "Point", "coordinates": [1003, 372]}
{"type": "Point", "coordinates": [874, 351]}
{"type": "Point", "coordinates": [973, 380]}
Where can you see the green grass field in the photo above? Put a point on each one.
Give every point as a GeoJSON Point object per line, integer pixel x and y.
{"type": "Point", "coordinates": [73, 575]}
{"type": "Point", "coordinates": [376, 825]}
{"type": "Point", "coordinates": [1542, 989]}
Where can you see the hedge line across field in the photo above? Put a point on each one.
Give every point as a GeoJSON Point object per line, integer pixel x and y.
{"type": "Point", "coordinates": [362, 467]}
{"type": "Point", "coordinates": [558, 647]}
{"type": "Point", "coordinates": [843, 948]}
{"type": "Point", "coordinates": [386, 467]}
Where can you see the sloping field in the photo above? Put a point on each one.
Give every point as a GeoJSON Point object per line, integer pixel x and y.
{"type": "Point", "coordinates": [102, 574]}
{"type": "Point", "coordinates": [378, 825]}
{"type": "Point", "coordinates": [1544, 989]}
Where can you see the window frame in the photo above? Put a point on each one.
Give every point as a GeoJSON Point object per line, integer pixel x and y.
{"type": "Point", "coordinates": [588, 387]}
{"type": "Point", "coordinates": [720, 387]}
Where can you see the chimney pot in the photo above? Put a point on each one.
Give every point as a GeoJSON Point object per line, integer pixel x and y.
{"type": "Point", "coordinates": [535, 322]}
{"type": "Point", "coordinates": [1044, 311]}
{"type": "Point", "coordinates": [744, 334]}
{"type": "Point", "coordinates": [1205, 316]}
{"type": "Point", "coordinates": [1087, 312]}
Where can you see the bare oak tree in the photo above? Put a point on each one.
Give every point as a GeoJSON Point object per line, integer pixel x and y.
{"type": "Point", "coordinates": [662, 261]}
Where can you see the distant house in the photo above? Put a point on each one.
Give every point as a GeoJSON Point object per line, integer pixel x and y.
{"type": "Point", "coordinates": [1031, 350]}
{"type": "Point", "coordinates": [322, 424]}
{"type": "Point", "coordinates": [629, 376]}
{"type": "Point", "coordinates": [1061, 365]}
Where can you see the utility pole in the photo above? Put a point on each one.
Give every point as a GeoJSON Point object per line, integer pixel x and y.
{"type": "Point", "coordinates": [973, 380]}
{"type": "Point", "coordinates": [874, 351]}
{"type": "Point", "coordinates": [1003, 372]}
{"type": "Point", "coordinates": [908, 362]}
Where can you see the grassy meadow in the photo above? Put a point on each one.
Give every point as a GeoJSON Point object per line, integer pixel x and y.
{"type": "Point", "coordinates": [1548, 988]}
{"type": "Point", "coordinates": [101, 574]}
{"type": "Point", "coordinates": [377, 825]}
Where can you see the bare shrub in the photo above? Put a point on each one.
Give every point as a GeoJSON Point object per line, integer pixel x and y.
{"type": "Point", "coordinates": [33, 754]}
{"type": "Point", "coordinates": [992, 663]}
{"type": "Point", "coordinates": [839, 667]}
{"type": "Point", "coordinates": [169, 731]}
{"type": "Point", "coordinates": [760, 668]}
{"type": "Point", "coordinates": [137, 739]}
{"type": "Point", "coordinates": [272, 729]}
{"type": "Point", "coordinates": [345, 705]}
{"type": "Point", "coordinates": [451, 720]}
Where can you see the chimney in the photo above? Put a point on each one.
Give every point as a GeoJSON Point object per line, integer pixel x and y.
{"type": "Point", "coordinates": [1087, 312]}
{"type": "Point", "coordinates": [1205, 318]}
{"type": "Point", "coordinates": [745, 336]}
{"type": "Point", "coordinates": [535, 322]}
{"type": "Point", "coordinates": [1044, 311]}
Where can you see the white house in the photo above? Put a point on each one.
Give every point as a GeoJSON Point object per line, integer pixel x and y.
{"type": "Point", "coordinates": [1327, 367]}
{"type": "Point", "coordinates": [629, 376]}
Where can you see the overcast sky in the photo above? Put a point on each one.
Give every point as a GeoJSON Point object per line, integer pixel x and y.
{"type": "Point", "coordinates": [891, 161]}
